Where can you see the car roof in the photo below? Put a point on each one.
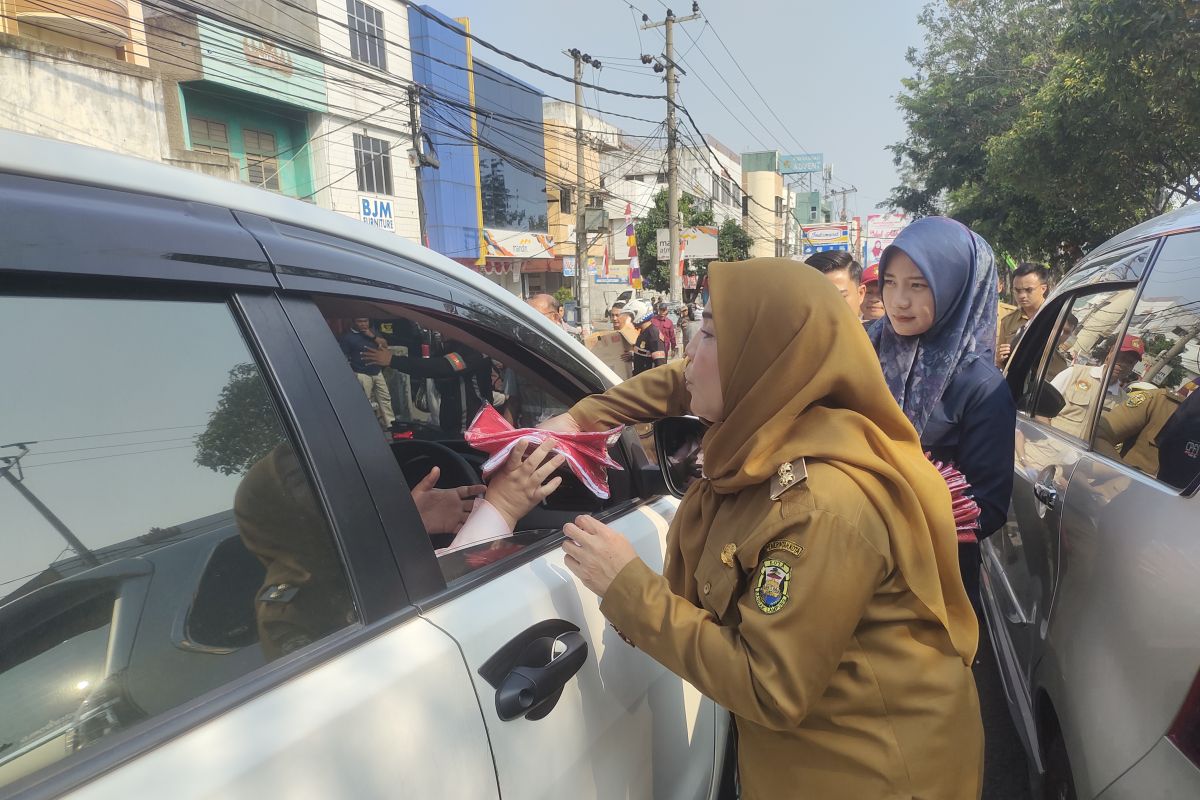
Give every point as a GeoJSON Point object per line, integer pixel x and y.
{"type": "Point", "coordinates": [1180, 219]}
{"type": "Point", "coordinates": [39, 157]}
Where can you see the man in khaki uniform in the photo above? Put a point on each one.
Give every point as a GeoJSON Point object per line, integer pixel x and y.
{"type": "Point", "coordinates": [1031, 283]}
{"type": "Point", "coordinates": [1082, 387]}
{"type": "Point", "coordinates": [1130, 431]}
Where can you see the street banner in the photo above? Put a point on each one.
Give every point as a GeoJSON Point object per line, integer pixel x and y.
{"type": "Point", "coordinates": [635, 272]}
{"type": "Point", "coordinates": [518, 244]}
{"type": "Point", "coordinates": [825, 236]}
{"type": "Point", "coordinates": [882, 230]}
{"type": "Point", "coordinates": [700, 242]}
{"type": "Point", "coordinates": [801, 165]}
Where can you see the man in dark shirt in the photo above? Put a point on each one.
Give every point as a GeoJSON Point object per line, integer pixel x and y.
{"type": "Point", "coordinates": [463, 378]}
{"type": "Point", "coordinates": [648, 350]}
{"type": "Point", "coordinates": [355, 344]}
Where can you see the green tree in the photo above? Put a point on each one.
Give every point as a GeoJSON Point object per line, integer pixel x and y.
{"type": "Point", "coordinates": [692, 212]}
{"type": "Point", "coordinates": [733, 242]}
{"type": "Point", "coordinates": [1050, 125]}
{"type": "Point", "coordinates": [243, 428]}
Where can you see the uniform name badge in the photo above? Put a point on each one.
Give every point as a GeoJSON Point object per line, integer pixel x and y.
{"type": "Point", "coordinates": [771, 591]}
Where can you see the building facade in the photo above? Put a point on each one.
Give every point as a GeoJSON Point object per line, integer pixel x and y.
{"type": "Point", "coordinates": [766, 205]}
{"type": "Point", "coordinates": [360, 145]}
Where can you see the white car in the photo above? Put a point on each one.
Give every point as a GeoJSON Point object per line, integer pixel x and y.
{"type": "Point", "coordinates": [215, 582]}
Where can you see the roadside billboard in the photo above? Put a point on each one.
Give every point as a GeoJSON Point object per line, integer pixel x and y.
{"type": "Point", "coordinates": [698, 242]}
{"type": "Point", "coordinates": [801, 165]}
{"type": "Point", "coordinates": [825, 236]}
{"type": "Point", "coordinates": [882, 230]}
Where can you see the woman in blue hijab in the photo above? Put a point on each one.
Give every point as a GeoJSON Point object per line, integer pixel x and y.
{"type": "Point", "coordinates": [936, 345]}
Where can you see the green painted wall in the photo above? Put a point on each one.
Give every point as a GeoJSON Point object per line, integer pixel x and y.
{"type": "Point", "coordinates": [767, 161]}
{"type": "Point", "coordinates": [238, 110]}
{"type": "Point", "coordinates": [242, 62]}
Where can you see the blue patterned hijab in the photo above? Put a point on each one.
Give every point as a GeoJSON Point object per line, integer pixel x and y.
{"type": "Point", "coordinates": [961, 271]}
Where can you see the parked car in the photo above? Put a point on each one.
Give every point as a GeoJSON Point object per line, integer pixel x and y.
{"type": "Point", "coordinates": [1091, 591]}
{"type": "Point", "coordinates": [215, 582]}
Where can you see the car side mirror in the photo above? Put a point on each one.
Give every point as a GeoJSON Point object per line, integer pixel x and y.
{"type": "Point", "coordinates": [677, 441]}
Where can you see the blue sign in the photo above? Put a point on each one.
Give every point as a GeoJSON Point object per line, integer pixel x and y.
{"type": "Point", "coordinates": [809, 249]}
{"type": "Point", "coordinates": [801, 165]}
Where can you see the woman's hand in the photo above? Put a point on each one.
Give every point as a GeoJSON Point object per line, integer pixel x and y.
{"type": "Point", "coordinates": [595, 553]}
{"type": "Point", "coordinates": [443, 510]}
{"type": "Point", "coordinates": [563, 423]}
{"type": "Point", "coordinates": [522, 482]}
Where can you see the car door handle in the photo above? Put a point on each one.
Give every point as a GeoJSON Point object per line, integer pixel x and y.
{"type": "Point", "coordinates": [531, 689]}
{"type": "Point", "coordinates": [1046, 494]}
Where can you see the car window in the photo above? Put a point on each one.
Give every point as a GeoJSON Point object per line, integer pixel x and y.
{"type": "Point", "coordinates": [1086, 366]}
{"type": "Point", "coordinates": [424, 376]}
{"type": "Point", "coordinates": [1035, 376]}
{"type": "Point", "coordinates": [1157, 427]}
{"type": "Point", "coordinates": [160, 535]}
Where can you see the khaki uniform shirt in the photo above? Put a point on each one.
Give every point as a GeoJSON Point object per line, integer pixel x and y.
{"type": "Point", "coordinates": [842, 683]}
{"type": "Point", "coordinates": [1129, 431]}
{"type": "Point", "coordinates": [1080, 386]}
{"type": "Point", "coordinates": [1011, 320]}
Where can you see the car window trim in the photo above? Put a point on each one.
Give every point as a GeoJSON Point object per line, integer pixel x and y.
{"type": "Point", "coordinates": [390, 496]}
{"type": "Point", "coordinates": [1068, 300]}
{"type": "Point", "coordinates": [314, 430]}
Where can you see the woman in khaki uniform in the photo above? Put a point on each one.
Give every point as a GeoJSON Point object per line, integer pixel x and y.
{"type": "Point", "coordinates": [811, 581]}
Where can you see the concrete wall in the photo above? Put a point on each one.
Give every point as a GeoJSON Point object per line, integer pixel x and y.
{"type": "Point", "coordinates": [72, 96]}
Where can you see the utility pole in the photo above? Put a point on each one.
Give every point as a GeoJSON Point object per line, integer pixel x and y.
{"type": "Point", "coordinates": [414, 126]}
{"type": "Point", "coordinates": [843, 193]}
{"type": "Point", "coordinates": [14, 462]}
{"type": "Point", "coordinates": [582, 287]}
{"type": "Point", "coordinates": [672, 156]}
{"type": "Point", "coordinates": [417, 156]}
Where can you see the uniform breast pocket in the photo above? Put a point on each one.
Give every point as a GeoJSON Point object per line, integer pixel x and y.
{"type": "Point", "coordinates": [719, 587]}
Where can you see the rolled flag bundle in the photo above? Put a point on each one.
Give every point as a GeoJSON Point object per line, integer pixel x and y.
{"type": "Point", "coordinates": [966, 510]}
{"type": "Point", "coordinates": [586, 453]}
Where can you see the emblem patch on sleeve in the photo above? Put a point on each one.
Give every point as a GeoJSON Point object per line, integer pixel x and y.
{"type": "Point", "coordinates": [456, 362]}
{"type": "Point", "coordinates": [1136, 399]}
{"type": "Point", "coordinates": [771, 591]}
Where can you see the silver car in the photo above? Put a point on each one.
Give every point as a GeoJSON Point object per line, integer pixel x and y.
{"type": "Point", "coordinates": [1091, 591]}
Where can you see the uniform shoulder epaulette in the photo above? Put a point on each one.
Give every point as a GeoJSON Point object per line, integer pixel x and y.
{"type": "Point", "coordinates": [789, 474]}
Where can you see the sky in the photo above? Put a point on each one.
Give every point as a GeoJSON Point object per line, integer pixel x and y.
{"type": "Point", "coordinates": [829, 70]}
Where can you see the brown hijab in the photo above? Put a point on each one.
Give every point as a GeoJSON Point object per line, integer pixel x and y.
{"type": "Point", "coordinates": [800, 379]}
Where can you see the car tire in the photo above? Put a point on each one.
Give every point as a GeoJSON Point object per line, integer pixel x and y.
{"type": "Point", "coordinates": [1058, 783]}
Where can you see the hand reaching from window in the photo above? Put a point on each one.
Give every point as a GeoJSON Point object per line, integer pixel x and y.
{"type": "Point", "coordinates": [444, 510]}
